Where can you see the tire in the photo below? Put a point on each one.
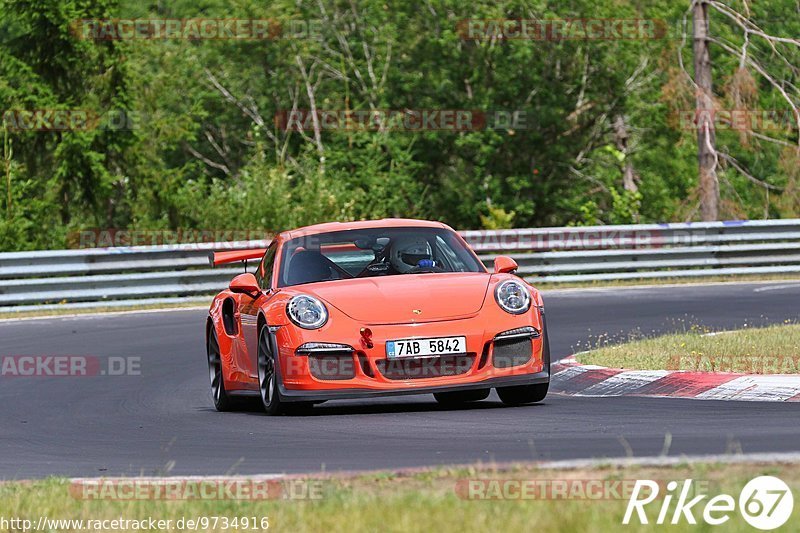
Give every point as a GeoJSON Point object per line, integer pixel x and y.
{"type": "Point", "coordinates": [458, 397]}
{"type": "Point", "coordinates": [268, 375]}
{"type": "Point", "coordinates": [524, 394]}
{"type": "Point", "coordinates": [222, 400]}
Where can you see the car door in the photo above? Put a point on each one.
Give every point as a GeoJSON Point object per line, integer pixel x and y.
{"type": "Point", "coordinates": [248, 309]}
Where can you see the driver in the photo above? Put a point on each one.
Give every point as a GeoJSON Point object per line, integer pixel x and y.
{"type": "Point", "coordinates": [407, 252]}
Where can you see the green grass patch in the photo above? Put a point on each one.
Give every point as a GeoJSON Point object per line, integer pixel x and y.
{"type": "Point", "coordinates": [56, 312]}
{"type": "Point", "coordinates": [425, 501]}
{"type": "Point", "coordinates": [768, 350]}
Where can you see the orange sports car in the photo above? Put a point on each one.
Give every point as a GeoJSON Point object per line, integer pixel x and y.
{"type": "Point", "coordinates": [375, 308]}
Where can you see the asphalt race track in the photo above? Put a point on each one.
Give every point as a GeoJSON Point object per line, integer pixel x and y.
{"type": "Point", "coordinates": [163, 420]}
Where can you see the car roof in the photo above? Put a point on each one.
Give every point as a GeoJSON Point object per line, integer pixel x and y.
{"type": "Point", "coordinates": [328, 227]}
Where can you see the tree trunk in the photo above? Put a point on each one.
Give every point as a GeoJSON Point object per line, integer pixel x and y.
{"type": "Point", "coordinates": [704, 115]}
{"type": "Point", "coordinates": [8, 153]}
{"type": "Point", "coordinates": [629, 177]}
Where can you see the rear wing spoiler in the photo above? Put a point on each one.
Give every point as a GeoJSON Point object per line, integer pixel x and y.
{"type": "Point", "coordinates": [221, 258]}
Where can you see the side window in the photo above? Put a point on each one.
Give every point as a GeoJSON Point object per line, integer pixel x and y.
{"type": "Point", "coordinates": [265, 268]}
{"type": "Point", "coordinates": [449, 257]}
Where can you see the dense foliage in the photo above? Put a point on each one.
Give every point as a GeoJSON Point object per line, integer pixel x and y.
{"type": "Point", "coordinates": [200, 148]}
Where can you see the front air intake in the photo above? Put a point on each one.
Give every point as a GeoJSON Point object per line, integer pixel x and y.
{"type": "Point", "coordinates": [512, 352]}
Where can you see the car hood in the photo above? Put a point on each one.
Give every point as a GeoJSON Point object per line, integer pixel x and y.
{"type": "Point", "coordinates": [405, 298]}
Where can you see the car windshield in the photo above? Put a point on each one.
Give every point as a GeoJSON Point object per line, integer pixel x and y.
{"type": "Point", "coordinates": [374, 252]}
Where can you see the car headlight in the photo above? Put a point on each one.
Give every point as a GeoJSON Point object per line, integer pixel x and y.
{"type": "Point", "coordinates": [307, 312]}
{"type": "Point", "coordinates": [512, 297]}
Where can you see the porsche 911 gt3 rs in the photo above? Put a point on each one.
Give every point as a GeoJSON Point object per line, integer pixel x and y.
{"type": "Point", "coordinates": [374, 308]}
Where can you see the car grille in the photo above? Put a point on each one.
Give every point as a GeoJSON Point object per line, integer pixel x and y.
{"type": "Point", "coordinates": [511, 352]}
{"type": "Point", "coordinates": [426, 367]}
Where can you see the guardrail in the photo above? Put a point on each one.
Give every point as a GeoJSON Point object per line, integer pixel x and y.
{"type": "Point", "coordinates": [179, 273]}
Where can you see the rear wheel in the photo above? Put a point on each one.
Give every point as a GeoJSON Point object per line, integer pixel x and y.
{"type": "Point", "coordinates": [455, 398]}
{"type": "Point", "coordinates": [222, 401]}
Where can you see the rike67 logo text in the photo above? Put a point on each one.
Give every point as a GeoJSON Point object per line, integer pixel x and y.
{"type": "Point", "coordinates": [765, 503]}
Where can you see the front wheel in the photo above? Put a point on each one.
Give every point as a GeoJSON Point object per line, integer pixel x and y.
{"type": "Point", "coordinates": [267, 375]}
{"type": "Point", "coordinates": [522, 394]}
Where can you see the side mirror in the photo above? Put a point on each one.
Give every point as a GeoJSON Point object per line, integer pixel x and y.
{"type": "Point", "coordinates": [504, 264]}
{"type": "Point", "coordinates": [245, 283]}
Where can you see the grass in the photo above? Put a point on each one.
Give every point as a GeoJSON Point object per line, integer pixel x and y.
{"type": "Point", "coordinates": [768, 350]}
{"type": "Point", "coordinates": [408, 502]}
{"type": "Point", "coordinates": [91, 310]}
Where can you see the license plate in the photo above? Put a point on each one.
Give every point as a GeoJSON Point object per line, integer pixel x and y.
{"type": "Point", "coordinates": [426, 347]}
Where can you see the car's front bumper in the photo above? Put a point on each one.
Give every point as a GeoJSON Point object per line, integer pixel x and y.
{"type": "Point", "coordinates": [372, 371]}
{"type": "Point", "coordinates": [350, 394]}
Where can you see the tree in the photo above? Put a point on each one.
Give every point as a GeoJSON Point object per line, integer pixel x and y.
{"type": "Point", "coordinates": [778, 68]}
{"type": "Point", "coordinates": [706, 136]}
